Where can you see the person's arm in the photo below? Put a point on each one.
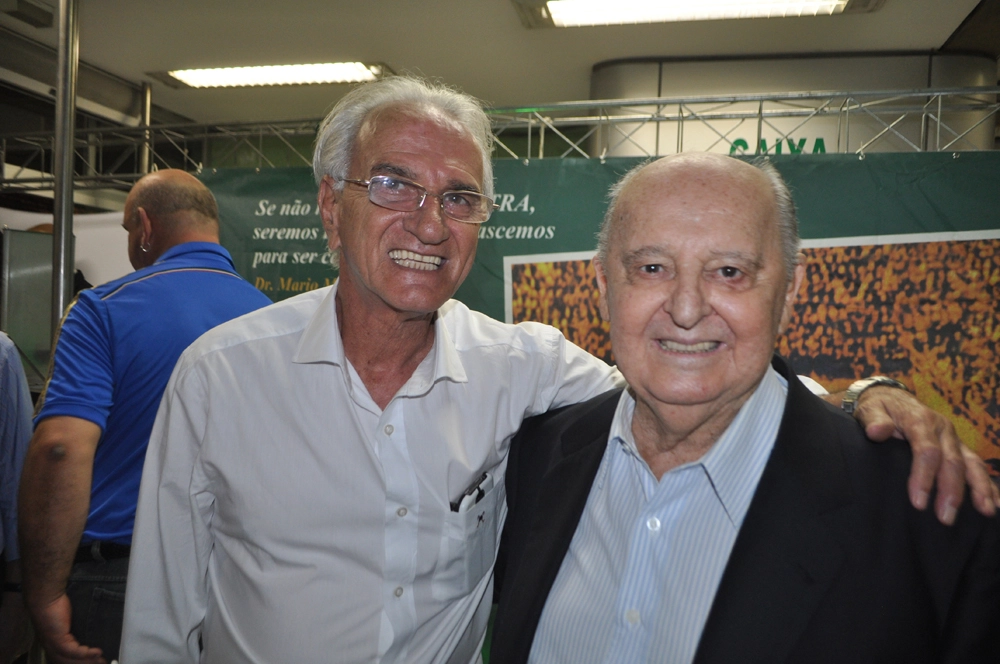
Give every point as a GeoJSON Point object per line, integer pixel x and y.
{"type": "Point", "coordinates": [564, 373]}
{"type": "Point", "coordinates": [15, 433]}
{"type": "Point", "coordinates": [167, 590]}
{"type": "Point", "coordinates": [938, 453]}
{"type": "Point", "coordinates": [54, 501]}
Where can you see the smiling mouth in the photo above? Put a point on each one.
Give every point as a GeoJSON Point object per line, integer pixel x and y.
{"type": "Point", "coordinates": [700, 347]}
{"type": "Point", "coordinates": [415, 261]}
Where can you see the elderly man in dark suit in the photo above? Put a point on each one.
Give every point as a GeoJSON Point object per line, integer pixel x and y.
{"type": "Point", "coordinates": [716, 511]}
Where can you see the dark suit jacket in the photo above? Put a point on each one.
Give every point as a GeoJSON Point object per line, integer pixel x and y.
{"type": "Point", "coordinates": [831, 563]}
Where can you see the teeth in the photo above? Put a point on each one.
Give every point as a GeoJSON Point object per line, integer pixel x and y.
{"type": "Point", "coordinates": [700, 347]}
{"type": "Point", "coordinates": [415, 261]}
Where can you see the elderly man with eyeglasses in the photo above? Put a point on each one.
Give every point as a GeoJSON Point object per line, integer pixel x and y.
{"type": "Point", "coordinates": [325, 478]}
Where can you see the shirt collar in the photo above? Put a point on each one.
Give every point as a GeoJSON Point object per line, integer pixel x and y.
{"type": "Point", "coordinates": [736, 461]}
{"type": "Point", "coordinates": [193, 247]}
{"type": "Point", "coordinates": [321, 342]}
{"type": "Point", "coordinates": [443, 362]}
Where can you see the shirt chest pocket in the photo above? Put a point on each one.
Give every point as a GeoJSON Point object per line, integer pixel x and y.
{"type": "Point", "coordinates": [468, 546]}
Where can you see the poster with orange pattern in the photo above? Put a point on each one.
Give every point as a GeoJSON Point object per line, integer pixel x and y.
{"type": "Point", "coordinates": [922, 309]}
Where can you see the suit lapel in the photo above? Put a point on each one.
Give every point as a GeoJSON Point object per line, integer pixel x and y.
{"type": "Point", "coordinates": [785, 557]}
{"type": "Point", "coordinates": [561, 500]}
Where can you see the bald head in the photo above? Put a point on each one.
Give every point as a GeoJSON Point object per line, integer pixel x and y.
{"type": "Point", "coordinates": [167, 208]}
{"type": "Point", "coordinates": [707, 175]}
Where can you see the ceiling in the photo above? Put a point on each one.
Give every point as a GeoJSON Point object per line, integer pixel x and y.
{"type": "Point", "coordinates": [478, 45]}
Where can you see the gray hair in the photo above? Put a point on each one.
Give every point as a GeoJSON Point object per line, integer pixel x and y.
{"type": "Point", "coordinates": [788, 218]}
{"type": "Point", "coordinates": [614, 197]}
{"type": "Point", "coordinates": [788, 222]}
{"type": "Point", "coordinates": [338, 133]}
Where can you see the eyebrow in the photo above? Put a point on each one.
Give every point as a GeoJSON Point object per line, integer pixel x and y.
{"type": "Point", "coordinates": [391, 169]}
{"type": "Point", "coordinates": [387, 168]}
{"type": "Point", "coordinates": [658, 252]}
{"type": "Point", "coordinates": [643, 254]}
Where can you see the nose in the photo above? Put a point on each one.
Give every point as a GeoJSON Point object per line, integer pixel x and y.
{"type": "Point", "coordinates": [428, 222]}
{"type": "Point", "coordinates": [687, 302]}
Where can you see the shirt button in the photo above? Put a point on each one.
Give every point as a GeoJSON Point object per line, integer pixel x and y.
{"type": "Point", "coordinates": [401, 512]}
{"type": "Point", "coordinates": [653, 524]}
{"type": "Point", "coordinates": [388, 429]}
{"type": "Point", "coordinates": [399, 592]}
{"type": "Point", "coordinates": [632, 616]}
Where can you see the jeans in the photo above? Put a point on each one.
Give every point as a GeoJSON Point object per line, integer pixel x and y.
{"type": "Point", "coordinates": [96, 590]}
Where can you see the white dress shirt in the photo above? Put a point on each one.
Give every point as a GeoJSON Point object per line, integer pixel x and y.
{"type": "Point", "coordinates": [284, 517]}
{"type": "Point", "coordinates": [647, 557]}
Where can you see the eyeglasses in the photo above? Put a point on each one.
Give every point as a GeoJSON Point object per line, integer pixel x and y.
{"type": "Point", "coordinates": [405, 196]}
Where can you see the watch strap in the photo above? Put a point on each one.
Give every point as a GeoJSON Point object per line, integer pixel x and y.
{"type": "Point", "coordinates": [850, 401]}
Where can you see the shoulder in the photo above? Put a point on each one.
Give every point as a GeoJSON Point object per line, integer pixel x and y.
{"type": "Point", "coordinates": [86, 317]}
{"type": "Point", "coordinates": [8, 352]}
{"type": "Point", "coordinates": [828, 447]}
{"type": "Point", "coordinates": [279, 320]}
{"type": "Point", "coordinates": [471, 329]}
{"type": "Point", "coordinates": [198, 261]}
{"type": "Point", "coordinates": [114, 287]}
{"type": "Point", "coordinates": [595, 412]}
{"type": "Point", "coordinates": [536, 442]}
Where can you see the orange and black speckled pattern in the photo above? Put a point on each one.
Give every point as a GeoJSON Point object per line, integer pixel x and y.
{"type": "Point", "coordinates": [925, 313]}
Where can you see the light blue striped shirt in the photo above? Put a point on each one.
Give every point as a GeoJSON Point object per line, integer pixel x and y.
{"type": "Point", "coordinates": [646, 560]}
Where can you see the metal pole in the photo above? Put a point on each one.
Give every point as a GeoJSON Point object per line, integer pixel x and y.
{"type": "Point", "coordinates": [937, 141]}
{"type": "Point", "coordinates": [147, 103]}
{"type": "Point", "coordinates": [63, 153]}
{"type": "Point", "coordinates": [847, 128]}
{"type": "Point", "coordinates": [760, 125]}
{"type": "Point", "coordinates": [680, 129]}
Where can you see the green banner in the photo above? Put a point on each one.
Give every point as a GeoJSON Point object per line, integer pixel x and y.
{"type": "Point", "coordinates": [271, 224]}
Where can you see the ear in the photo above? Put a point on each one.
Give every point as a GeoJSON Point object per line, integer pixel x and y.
{"type": "Point", "coordinates": [146, 238]}
{"type": "Point", "coordinates": [793, 290]}
{"type": "Point", "coordinates": [602, 286]}
{"type": "Point", "coordinates": [329, 210]}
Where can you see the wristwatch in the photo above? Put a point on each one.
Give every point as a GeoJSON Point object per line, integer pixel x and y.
{"type": "Point", "coordinates": [850, 401]}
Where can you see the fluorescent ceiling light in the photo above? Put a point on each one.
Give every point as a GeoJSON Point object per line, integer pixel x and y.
{"type": "Point", "coordinates": [570, 13]}
{"type": "Point", "coordinates": [230, 77]}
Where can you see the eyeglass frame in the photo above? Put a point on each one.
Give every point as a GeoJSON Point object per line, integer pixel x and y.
{"type": "Point", "coordinates": [367, 185]}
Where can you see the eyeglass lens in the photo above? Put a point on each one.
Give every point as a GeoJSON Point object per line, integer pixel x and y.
{"type": "Point", "coordinates": [405, 196]}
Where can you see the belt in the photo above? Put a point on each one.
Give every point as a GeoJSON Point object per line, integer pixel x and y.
{"type": "Point", "coordinates": [101, 552]}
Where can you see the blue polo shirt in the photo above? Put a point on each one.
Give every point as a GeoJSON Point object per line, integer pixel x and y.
{"type": "Point", "coordinates": [116, 349]}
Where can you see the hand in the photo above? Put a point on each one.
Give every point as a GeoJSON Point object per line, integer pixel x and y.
{"type": "Point", "coordinates": [52, 628]}
{"type": "Point", "coordinates": [937, 452]}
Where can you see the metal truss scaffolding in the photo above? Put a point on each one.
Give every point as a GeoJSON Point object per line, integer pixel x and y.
{"type": "Point", "coordinates": [948, 119]}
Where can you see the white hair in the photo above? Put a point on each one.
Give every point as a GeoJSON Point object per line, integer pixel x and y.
{"type": "Point", "coordinates": [338, 133]}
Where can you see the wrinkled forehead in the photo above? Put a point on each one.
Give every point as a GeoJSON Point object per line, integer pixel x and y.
{"type": "Point", "coordinates": [386, 121]}
{"type": "Point", "coordinates": [685, 195]}
{"type": "Point", "coordinates": [419, 141]}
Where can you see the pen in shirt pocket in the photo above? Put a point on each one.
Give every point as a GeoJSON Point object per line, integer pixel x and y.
{"type": "Point", "coordinates": [473, 494]}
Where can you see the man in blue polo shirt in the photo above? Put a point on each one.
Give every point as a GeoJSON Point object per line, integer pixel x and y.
{"type": "Point", "coordinates": [116, 348]}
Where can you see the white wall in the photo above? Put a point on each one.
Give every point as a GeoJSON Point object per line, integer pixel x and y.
{"type": "Point", "coordinates": [670, 78]}
{"type": "Point", "coordinates": [101, 242]}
